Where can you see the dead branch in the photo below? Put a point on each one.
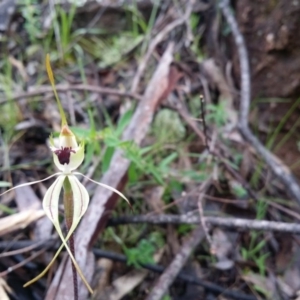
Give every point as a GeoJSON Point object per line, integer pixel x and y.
{"type": "Point", "coordinates": [22, 263]}
{"type": "Point", "coordinates": [66, 88]}
{"type": "Point", "coordinates": [28, 248]}
{"type": "Point", "coordinates": [203, 189]}
{"type": "Point", "coordinates": [171, 272]}
{"type": "Point", "coordinates": [193, 218]}
{"type": "Point", "coordinates": [275, 164]}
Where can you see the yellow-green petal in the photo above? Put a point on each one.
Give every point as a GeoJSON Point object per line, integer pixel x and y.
{"type": "Point", "coordinates": [77, 158]}
{"type": "Point", "coordinates": [51, 199]}
{"type": "Point", "coordinates": [81, 200]}
{"type": "Point", "coordinates": [105, 186]}
{"type": "Point", "coordinates": [29, 183]}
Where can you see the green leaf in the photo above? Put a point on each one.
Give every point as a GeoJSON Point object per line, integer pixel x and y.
{"type": "Point", "coordinates": [124, 121]}
{"type": "Point", "coordinates": [81, 133]}
{"type": "Point", "coordinates": [184, 228]}
{"type": "Point", "coordinates": [6, 209]}
{"type": "Point", "coordinates": [132, 173]}
{"type": "Point", "coordinates": [142, 254]}
{"type": "Point", "coordinates": [167, 160]}
{"type": "Point", "coordinates": [107, 158]}
{"type": "Point", "coordinates": [90, 149]}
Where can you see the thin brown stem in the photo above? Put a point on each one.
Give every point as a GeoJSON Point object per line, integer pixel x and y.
{"type": "Point", "coordinates": [203, 111]}
{"type": "Point", "coordinates": [22, 263]}
{"type": "Point", "coordinates": [74, 271]}
{"type": "Point", "coordinates": [171, 272]}
{"type": "Point", "coordinates": [64, 88]}
{"type": "Point", "coordinates": [225, 222]}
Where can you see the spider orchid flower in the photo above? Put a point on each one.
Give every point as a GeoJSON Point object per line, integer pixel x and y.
{"type": "Point", "coordinates": [67, 156]}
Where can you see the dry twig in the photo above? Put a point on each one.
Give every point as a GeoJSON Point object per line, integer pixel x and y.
{"type": "Point", "coordinates": [31, 247]}
{"type": "Point", "coordinates": [193, 218]}
{"type": "Point", "coordinates": [23, 262]}
{"type": "Point", "coordinates": [204, 187]}
{"type": "Point", "coordinates": [66, 88]}
{"type": "Point", "coordinates": [169, 275]}
{"type": "Point", "coordinates": [276, 165]}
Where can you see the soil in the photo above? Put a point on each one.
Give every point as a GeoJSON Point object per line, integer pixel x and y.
{"type": "Point", "coordinates": [271, 32]}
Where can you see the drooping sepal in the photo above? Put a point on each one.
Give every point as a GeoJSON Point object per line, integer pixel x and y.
{"type": "Point", "coordinates": [81, 200]}
{"type": "Point", "coordinates": [51, 199]}
{"type": "Point", "coordinates": [50, 205]}
{"type": "Point", "coordinates": [105, 186]}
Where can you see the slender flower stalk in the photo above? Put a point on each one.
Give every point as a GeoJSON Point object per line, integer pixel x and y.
{"type": "Point", "coordinates": [67, 156]}
{"type": "Point", "coordinates": [68, 205]}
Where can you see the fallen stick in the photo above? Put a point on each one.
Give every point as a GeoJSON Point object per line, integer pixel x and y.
{"type": "Point", "coordinates": [166, 279]}
{"type": "Point", "coordinates": [66, 88]}
{"type": "Point", "coordinates": [193, 218]}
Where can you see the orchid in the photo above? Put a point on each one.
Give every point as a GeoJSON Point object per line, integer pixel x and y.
{"type": "Point", "coordinates": [67, 156]}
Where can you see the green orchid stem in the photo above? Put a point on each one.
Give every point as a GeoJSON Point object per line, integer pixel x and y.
{"type": "Point", "coordinates": [68, 206]}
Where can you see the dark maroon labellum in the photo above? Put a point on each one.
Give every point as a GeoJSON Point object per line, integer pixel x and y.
{"type": "Point", "coordinates": [64, 155]}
